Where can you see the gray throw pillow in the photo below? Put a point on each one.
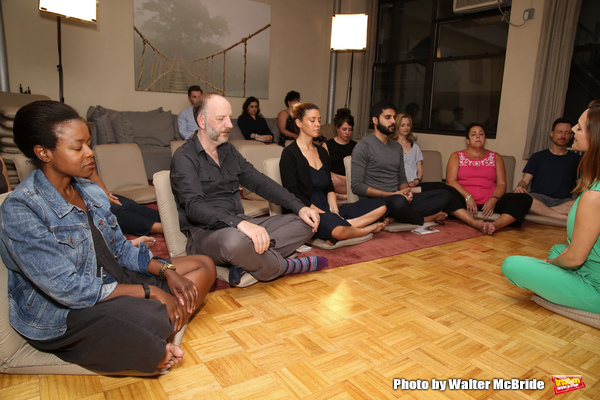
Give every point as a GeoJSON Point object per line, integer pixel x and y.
{"type": "Point", "coordinates": [152, 128]}
{"type": "Point", "coordinates": [122, 128]}
{"type": "Point", "coordinates": [104, 130]}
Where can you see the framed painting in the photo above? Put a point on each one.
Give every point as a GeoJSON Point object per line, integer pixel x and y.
{"type": "Point", "coordinates": [222, 46]}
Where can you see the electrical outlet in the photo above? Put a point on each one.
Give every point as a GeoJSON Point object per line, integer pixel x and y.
{"type": "Point", "coordinates": [528, 14]}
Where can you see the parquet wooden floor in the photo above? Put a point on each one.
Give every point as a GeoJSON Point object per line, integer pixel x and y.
{"type": "Point", "coordinates": [346, 333]}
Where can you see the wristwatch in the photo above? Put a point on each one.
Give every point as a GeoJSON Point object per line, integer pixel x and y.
{"type": "Point", "coordinates": [166, 266]}
{"type": "Point", "coordinates": [161, 274]}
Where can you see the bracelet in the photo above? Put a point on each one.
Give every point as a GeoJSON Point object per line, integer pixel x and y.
{"type": "Point", "coordinates": [333, 210]}
{"type": "Point", "coordinates": [467, 198]}
{"type": "Point", "coordinates": [166, 265]}
{"type": "Point", "coordinates": [496, 197]}
{"type": "Point", "coordinates": [146, 290]}
{"type": "Point", "coordinates": [161, 273]}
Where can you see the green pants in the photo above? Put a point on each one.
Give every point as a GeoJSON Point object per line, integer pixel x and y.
{"type": "Point", "coordinates": [570, 288]}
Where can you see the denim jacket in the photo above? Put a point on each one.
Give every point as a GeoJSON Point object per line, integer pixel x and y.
{"type": "Point", "coordinates": [47, 246]}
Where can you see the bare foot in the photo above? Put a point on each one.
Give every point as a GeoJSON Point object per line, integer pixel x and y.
{"type": "Point", "coordinates": [480, 225]}
{"type": "Point", "coordinates": [436, 217]}
{"type": "Point", "coordinates": [373, 228]}
{"type": "Point", "coordinates": [387, 221]}
{"type": "Point", "coordinates": [489, 228]}
{"type": "Point", "coordinates": [380, 226]}
{"type": "Point", "coordinates": [147, 240]}
{"type": "Point", "coordinates": [173, 354]}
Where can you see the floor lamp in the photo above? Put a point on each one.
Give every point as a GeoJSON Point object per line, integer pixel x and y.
{"type": "Point", "coordinates": [81, 10]}
{"type": "Point", "coordinates": [349, 33]}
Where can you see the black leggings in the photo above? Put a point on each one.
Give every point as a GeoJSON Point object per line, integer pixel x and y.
{"type": "Point", "coordinates": [423, 205]}
{"type": "Point", "coordinates": [134, 218]}
{"type": "Point", "coordinates": [514, 204]}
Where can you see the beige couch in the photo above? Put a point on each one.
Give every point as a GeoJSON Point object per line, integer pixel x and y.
{"type": "Point", "coordinates": [152, 131]}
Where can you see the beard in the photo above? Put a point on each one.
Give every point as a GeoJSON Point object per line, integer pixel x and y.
{"type": "Point", "coordinates": [385, 129]}
{"type": "Point", "coordinates": [560, 142]}
{"type": "Point", "coordinates": [213, 134]}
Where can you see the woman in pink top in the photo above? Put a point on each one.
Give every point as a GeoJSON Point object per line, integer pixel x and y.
{"type": "Point", "coordinates": [479, 176]}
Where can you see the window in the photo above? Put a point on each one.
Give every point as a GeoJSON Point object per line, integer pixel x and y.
{"type": "Point", "coordinates": [584, 78]}
{"type": "Point", "coordinates": [447, 82]}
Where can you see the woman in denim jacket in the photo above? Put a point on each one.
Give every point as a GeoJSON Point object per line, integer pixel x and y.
{"type": "Point", "coordinates": [77, 288]}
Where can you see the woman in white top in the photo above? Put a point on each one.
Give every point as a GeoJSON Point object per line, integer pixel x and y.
{"type": "Point", "coordinates": [413, 157]}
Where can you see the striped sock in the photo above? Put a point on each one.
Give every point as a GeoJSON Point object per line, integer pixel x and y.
{"type": "Point", "coordinates": [304, 264]}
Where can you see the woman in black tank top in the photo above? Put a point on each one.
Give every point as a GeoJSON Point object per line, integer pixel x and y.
{"type": "Point", "coordinates": [339, 147]}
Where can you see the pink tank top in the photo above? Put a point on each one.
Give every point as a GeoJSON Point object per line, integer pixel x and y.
{"type": "Point", "coordinates": [478, 177]}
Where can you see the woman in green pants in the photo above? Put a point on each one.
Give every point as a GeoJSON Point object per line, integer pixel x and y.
{"type": "Point", "coordinates": [571, 274]}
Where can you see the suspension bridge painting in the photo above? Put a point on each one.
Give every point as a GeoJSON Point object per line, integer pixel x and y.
{"type": "Point", "coordinates": [220, 45]}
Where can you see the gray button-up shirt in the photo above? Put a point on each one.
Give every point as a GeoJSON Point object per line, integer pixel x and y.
{"type": "Point", "coordinates": [207, 195]}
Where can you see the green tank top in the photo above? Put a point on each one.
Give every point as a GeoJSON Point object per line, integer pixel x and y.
{"type": "Point", "coordinates": [591, 268]}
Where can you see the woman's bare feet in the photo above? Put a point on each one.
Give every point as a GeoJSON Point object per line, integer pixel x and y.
{"type": "Point", "coordinates": [147, 240]}
{"type": "Point", "coordinates": [440, 216]}
{"type": "Point", "coordinates": [350, 232]}
{"type": "Point", "coordinates": [374, 228]}
{"type": "Point", "coordinates": [173, 354]}
{"type": "Point", "coordinates": [489, 228]}
{"type": "Point", "coordinates": [479, 225]}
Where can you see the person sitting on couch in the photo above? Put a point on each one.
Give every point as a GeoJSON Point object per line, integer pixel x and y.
{"type": "Point", "coordinates": [77, 288]}
{"type": "Point", "coordinates": [285, 121]}
{"type": "Point", "coordinates": [185, 120]}
{"type": "Point", "coordinates": [252, 124]}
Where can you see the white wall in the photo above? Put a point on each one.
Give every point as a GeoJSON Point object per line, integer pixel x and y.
{"type": "Point", "coordinates": [98, 63]}
{"type": "Point", "coordinates": [98, 59]}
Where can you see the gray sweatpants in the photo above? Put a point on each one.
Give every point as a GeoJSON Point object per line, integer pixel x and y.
{"type": "Point", "coordinates": [230, 246]}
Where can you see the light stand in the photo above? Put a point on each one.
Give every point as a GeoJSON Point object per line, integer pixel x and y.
{"type": "Point", "coordinates": [349, 90]}
{"type": "Point", "coordinates": [81, 10]}
{"type": "Point", "coordinates": [59, 66]}
{"type": "Point", "coordinates": [349, 33]}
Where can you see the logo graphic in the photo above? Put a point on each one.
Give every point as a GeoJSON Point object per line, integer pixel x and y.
{"type": "Point", "coordinates": [567, 383]}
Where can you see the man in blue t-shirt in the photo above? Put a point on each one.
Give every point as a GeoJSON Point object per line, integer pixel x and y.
{"type": "Point", "coordinates": [552, 174]}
